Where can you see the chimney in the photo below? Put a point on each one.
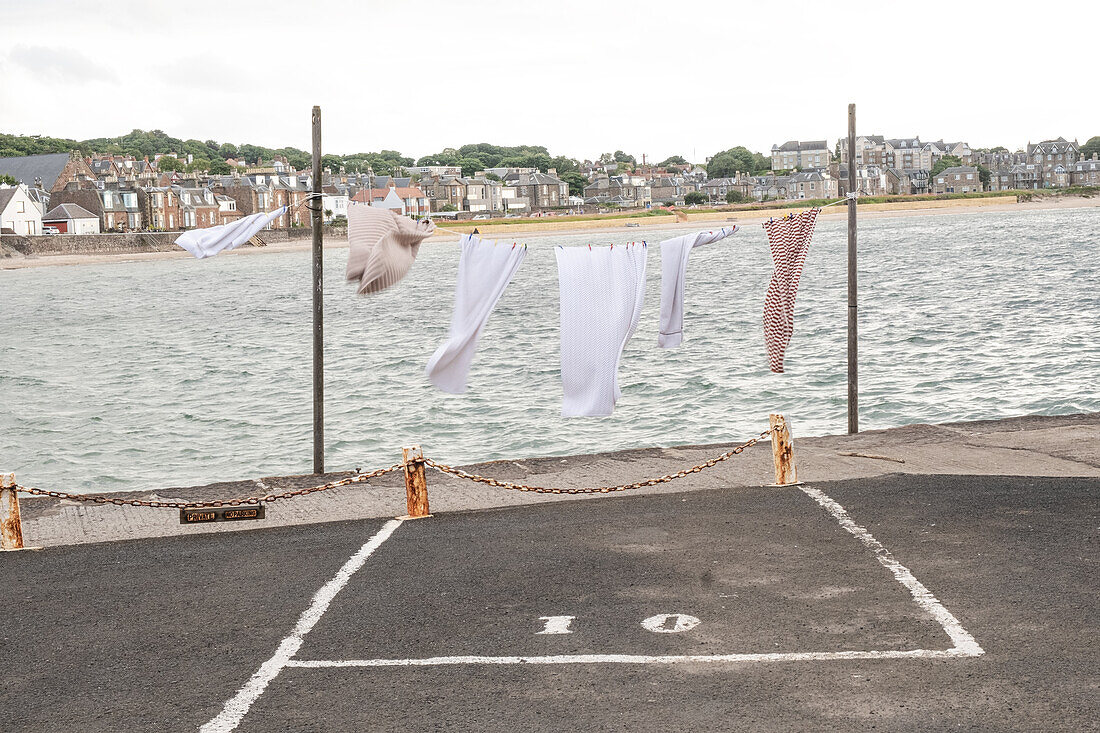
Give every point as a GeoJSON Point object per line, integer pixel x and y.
{"type": "Point", "coordinates": [553, 172]}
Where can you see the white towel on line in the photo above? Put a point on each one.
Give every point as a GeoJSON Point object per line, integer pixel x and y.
{"type": "Point", "coordinates": [212, 240]}
{"type": "Point", "coordinates": [484, 270]}
{"type": "Point", "coordinates": [602, 290]}
{"type": "Point", "coordinates": [674, 262]}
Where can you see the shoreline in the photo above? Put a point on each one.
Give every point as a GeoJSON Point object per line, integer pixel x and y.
{"type": "Point", "coordinates": [549, 227]}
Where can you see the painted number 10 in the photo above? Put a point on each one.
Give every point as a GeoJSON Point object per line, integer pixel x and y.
{"type": "Point", "coordinates": [664, 623]}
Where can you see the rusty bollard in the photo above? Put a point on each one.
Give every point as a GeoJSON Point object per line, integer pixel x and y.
{"type": "Point", "coordinates": [11, 528]}
{"type": "Point", "coordinates": [783, 451]}
{"type": "Point", "coordinates": [416, 484]}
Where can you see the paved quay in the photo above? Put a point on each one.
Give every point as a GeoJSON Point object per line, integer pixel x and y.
{"type": "Point", "coordinates": [1066, 445]}
{"type": "Point", "coordinates": [901, 602]}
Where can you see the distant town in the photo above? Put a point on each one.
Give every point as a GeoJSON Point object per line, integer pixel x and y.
{"type": "Point", "coordinates": [77, 193]}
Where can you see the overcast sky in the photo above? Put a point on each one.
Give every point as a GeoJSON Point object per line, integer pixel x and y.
{"type": "Point", "coordinates": [660, 78]}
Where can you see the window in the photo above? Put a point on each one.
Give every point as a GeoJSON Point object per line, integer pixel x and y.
{"type": "Point", "coordinates": [19, 207]}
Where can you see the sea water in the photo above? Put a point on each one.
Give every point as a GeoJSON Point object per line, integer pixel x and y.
{"type": "Point", "coordinates": [177, 372]}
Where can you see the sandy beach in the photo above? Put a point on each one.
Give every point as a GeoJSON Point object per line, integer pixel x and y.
{"type": "Point", "coordinates": [554, 227]}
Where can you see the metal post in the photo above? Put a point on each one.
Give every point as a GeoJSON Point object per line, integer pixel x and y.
{"type": "Point", "coordinates": [318, 304]}
{"type": "Point", "coordinates": [853, 337]}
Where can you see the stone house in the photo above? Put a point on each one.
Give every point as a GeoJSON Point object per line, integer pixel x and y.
{"type": "Point", "coordinates": [1086, 172]}
{"type": "Point", "coordinates": [122, 212]}
{"type": "Point", "coordinates": [957, 179]}
{"type": "Point", "coordinates": [252, 194]}
{"type": "Point", "coordinates": [801, 154]}
{"type": "Point", "coordinates": [668, 188]}
{"type": "Point", "coordinates": [542, 190]}
{"type": "Point", "coordinates": [1050, 155]}
{"type": "Point", "coordinates": [623, 190]}
{"type": "Point", "coordinates": [198, 207]}
{"type": "Point", "coordinates": [812, 185]}
{"type": "Point", "coordinates": [717, 188]}
{"type": "Point", "coordinates": [161, 207]}
{"type": "Point", "coordinates": [907, 153]}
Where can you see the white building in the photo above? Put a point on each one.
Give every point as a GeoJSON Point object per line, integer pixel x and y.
{"type": "Point", "coordinates": [333, 205]}
{"type": "Point", "coordinates": [18, 211]}
{"type": "Point", "coordinates": [72, 219]}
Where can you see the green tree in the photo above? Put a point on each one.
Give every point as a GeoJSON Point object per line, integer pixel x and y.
{"type": "Point", "coordinates": [169, 163]}
{"type": "Point", "coordinates": [735, 197]}
{"type": "Point", "coordinates": [1092, 146]}
{"type": "Point", "coordinates": [563, 164]}
{"type": "Point", "coordinates": [728, 162]}
{"type": "Point", "coordinates": [197, 165]}
{"type": "Point", "coordinates": [5, 178]}
{"type": "Point", "coordinates": [576, 182]}
{"type": "Point", "coordinates": [984, 175]}
{"type": "Point", "coordinates": [219, 167]}
{"type": "Point", "coordinates": [695, 197]}
{"type": "Point", "coordinates": [492, 176]}
{"type": "Point", "coordinates": [470, 166]}
{"type": "Point", "coordinates": [620, 157]}
{"type": "Point", "coordinates": [944, 163]}
{"type": "Point", "coordinates": [672, 160]}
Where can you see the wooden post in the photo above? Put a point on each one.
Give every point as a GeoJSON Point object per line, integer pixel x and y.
{"type": "Point", "coordinates": [783, 451]}
{"type": "Point", "coordinates": [11, 528]}
{"type": "Point", "coordinates": [316, 209]}
{"type": "Point", "coordinates": [853, 321]}
{"type": "Point", "coordinates": [416, 485]}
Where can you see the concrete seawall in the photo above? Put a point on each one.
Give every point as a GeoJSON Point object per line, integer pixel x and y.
{"type": "Point", "coordinates": [1067, 445]}
{"type": "Point", "coordinates": [134, 242]}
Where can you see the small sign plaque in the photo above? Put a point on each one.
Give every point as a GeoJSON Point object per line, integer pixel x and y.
{"type": "Point", "coordinates": [222, 514]}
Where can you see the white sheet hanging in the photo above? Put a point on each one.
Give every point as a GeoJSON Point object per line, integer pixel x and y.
{"type": "Point", "coordinates": [674, 262]}
{"type": "Point", "coordinates": [602, 290]}
{"type": "Point", "coordinates": [484, 270]}
{"type": "Point", "coordinates": [212, 240]}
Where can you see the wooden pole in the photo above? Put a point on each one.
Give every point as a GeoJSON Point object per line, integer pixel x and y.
{"type": "Point", "coordinates": [11, 527]}
{"type": "Point", "coordinates": [316, 207]}
{"type": "Point", "coordinates": [853, 321]}
{"type": "Point", "coordinates": [782, 451]}
{"type": "Point", "coordinates": [416, 484]}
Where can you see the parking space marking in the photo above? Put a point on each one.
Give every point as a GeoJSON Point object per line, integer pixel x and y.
{"type": "Point", "coordinates": [964, 645]}
{"type": "Point", "coordinates": [237, 706]}
{"type": "Point", "coordinates": [962, 639]}
{"type": "Point", "coordinates": [633, 658]}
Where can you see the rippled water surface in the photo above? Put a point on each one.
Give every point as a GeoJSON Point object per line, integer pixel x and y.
{"type": "Point", "coordinates": [178, 372]}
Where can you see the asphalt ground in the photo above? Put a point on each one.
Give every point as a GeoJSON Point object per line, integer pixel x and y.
{"type": "Point", "coordinates": [160, 634]}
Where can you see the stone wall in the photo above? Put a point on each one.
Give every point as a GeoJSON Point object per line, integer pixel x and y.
{"type": "Point", "coordinates": [124, 243]}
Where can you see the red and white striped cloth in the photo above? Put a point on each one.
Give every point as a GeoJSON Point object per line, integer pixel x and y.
{"type": "Point", "coordinates": [789, 240]}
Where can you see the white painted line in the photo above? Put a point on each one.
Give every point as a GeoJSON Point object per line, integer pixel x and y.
{"type": "Point", "coordinates": [965, 644]}
{"type": "Point", "coordinates": [236, 708]}
{"type": "Point", "coordinates": [634, 658]}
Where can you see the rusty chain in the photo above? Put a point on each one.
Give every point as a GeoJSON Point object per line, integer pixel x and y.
{"type": "Point", "coordinates": [442, 468]}
{"type": "Point", "coordinates": [361, 477]}
{"type": "Point", "coordinates": [249, 500]}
